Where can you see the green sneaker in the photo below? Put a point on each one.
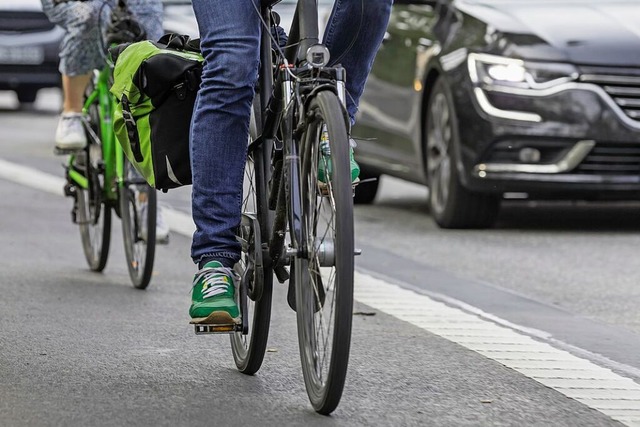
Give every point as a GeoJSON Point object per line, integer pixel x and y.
{"type": "Point", "coordinates": [212, 297]}
{"type": "Point", "coordinates": [324, 162]}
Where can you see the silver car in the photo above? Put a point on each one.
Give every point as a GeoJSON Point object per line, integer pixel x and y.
{"type": "Point", "coordinates": [29, 46]}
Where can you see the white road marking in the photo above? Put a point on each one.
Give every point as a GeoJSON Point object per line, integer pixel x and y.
{"type": "Point", "coordinates": [511, 345]}
{"type": "Point", "coordinates": [31, 177]}
{"type": "Point", "coordinates": [575, 377]}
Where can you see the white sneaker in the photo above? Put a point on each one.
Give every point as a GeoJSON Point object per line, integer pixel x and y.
{"type": "Point", "coordinates": [70, 134]}
{"type": "Point", "coordinates": [142, 216]}
{"type": "Point", "coordinates": [162, 228]}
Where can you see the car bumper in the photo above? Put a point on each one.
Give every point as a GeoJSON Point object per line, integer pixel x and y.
{"type": "Point", "coordinates": [14, 80]}
{"type": "Point", "coordinates": [574, 138]}
{"type": "Point", "coordinates": [29, 59]}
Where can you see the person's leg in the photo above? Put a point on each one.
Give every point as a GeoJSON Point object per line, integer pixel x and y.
{"type": "Point", "coordinates": [149, 14]}
{"type": "Point", "coordinates": [230, 33]}
{"type": "Point", "coordinates": [73, 88]}
{"type": "Point", "coordinates": [79, 55]}
{"type": "Point", "coordinates": [353, 35]}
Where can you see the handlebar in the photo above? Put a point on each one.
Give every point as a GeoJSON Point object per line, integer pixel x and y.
{"type": "Point", "coordinates": [123, 26]}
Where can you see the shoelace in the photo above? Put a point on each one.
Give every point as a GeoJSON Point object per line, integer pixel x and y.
{"type": "Point", "coordinates": [73, 123]}
{"type": "Point", "coordinates": [324, 142]}
{"type": "Point", "coordinates": [215, 280]}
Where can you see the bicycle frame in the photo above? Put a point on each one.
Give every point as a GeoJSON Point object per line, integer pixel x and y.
{"type": "Point", "coordinates": [301, 105]}
{"type": "Point", "coordinates": [112, 154]}
{"type": "Point", "coordinates": [277, 106]}
{"type": "Point", "coordinates": [305, 17]}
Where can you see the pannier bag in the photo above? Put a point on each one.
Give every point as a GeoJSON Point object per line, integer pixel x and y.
{"type": "Point", "coordinates": [155, 86]}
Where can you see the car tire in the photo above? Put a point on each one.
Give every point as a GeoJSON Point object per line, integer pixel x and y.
{"type": "Point", "coordinates": [451, 204]}
{"type": "Point", "coordinates": [27, 95]}
{"type": "Point", "coordinates": [366, 192]}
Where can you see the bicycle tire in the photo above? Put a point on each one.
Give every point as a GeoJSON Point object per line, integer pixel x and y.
{"type": "Point", "coordinates": [327, 227]}
{"type": "Point", "coordinates": [248, 350]}
{"type": "Point", "coordinates": [138, 210]}
{"type": "Point", "coordinates": [93, 212]}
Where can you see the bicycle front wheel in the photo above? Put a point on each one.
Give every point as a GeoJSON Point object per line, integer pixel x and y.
{"type": "Point", "coordinates": [248, 350]}
{"type": "Point", "coordinates": [138, 205]}
{"type": "Point", "coordinates": [323, 268]}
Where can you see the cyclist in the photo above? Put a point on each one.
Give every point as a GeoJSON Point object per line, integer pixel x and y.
{"type": "Point", "coordinates": [81, 52]}
{"type": "Point", "coordinates": [230, 32]}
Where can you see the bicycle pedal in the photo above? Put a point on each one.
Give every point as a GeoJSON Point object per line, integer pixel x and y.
{"type": "Point", "coordinates": [70, 190]}
{"type": "Point", "coordinates": [218, 322]}
{"type": "Point", "coordinates": [217, 329]}
{"type": "Point", "coordinates": [64, 151]}
{"type": "Point", "coordinates": [324, 188]}
{"type": "Point", "coordinates": [364, 181]}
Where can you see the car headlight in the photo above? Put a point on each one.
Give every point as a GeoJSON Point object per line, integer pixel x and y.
{"type": "Point", "coordinates": [493, 70]}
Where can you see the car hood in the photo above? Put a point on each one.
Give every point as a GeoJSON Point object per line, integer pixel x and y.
{"type": "Point", "coordinates": [602, 32]}
{"type": "Point", "coordinates": [26, 5]}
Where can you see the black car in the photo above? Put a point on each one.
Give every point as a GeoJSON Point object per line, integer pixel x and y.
{"type": "Point", "coordinates": [485, 99]}
{"type": "Point", "coordinates": [29, 46]}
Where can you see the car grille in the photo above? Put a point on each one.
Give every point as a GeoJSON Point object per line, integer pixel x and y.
{"type": "Point", "coordinates": [606, 158]}
{"type": "Point", "coordinates": [622, 84]}
{"type": "Point", "coordinates": [611, 159]}
{"type": "Point", "coordinates": [24, 22]}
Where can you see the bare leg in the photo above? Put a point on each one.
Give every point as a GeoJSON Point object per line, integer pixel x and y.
{"type": "Point", "coordinates": [73, 88]}
{"type": "Point", "coordinates": [70, 134]}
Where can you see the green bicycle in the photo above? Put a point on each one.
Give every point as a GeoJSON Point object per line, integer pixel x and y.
{"type": "Point", "coordinates": [101, 180]}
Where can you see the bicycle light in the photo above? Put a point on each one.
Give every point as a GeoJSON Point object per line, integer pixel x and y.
{"type": "Point", "coordinates": [318, 56]}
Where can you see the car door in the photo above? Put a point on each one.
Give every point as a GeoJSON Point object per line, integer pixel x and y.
{"type": "Point", "coordinates": [389, 116]}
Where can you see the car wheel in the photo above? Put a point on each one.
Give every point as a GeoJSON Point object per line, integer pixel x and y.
{"type": "Point", "coordinates": [366, 191]}
{"type": "Point", "coordinates": [27, 95]}
{"type": "Point", "coordinates": [451, 205]}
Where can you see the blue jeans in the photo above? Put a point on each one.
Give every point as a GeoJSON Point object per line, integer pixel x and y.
{"type": "Point", "coordinates": [230, 36]}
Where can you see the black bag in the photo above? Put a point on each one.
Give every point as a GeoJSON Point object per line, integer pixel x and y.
{"type": "Point", "coordinates": [156, 85]}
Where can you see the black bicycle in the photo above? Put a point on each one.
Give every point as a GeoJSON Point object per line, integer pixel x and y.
{"type": "Point", "coordinates": [297, 217]}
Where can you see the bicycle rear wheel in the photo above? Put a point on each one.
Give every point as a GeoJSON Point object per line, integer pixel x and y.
{"type": "Point", "coordinates": [248, 350]}
{"type": "Point", "coordinates": [93, 212]}
{"type": "Point", "coordinates": [323, 271]}
{"type": "Point", "coordinates": [138, 205]}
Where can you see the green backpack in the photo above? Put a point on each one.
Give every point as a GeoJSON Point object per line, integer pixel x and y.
{"type": "Point", "coordinates": [155, 86]}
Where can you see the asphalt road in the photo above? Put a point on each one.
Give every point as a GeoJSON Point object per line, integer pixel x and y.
{"type": "Point", "coordinates": [79, 348]}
